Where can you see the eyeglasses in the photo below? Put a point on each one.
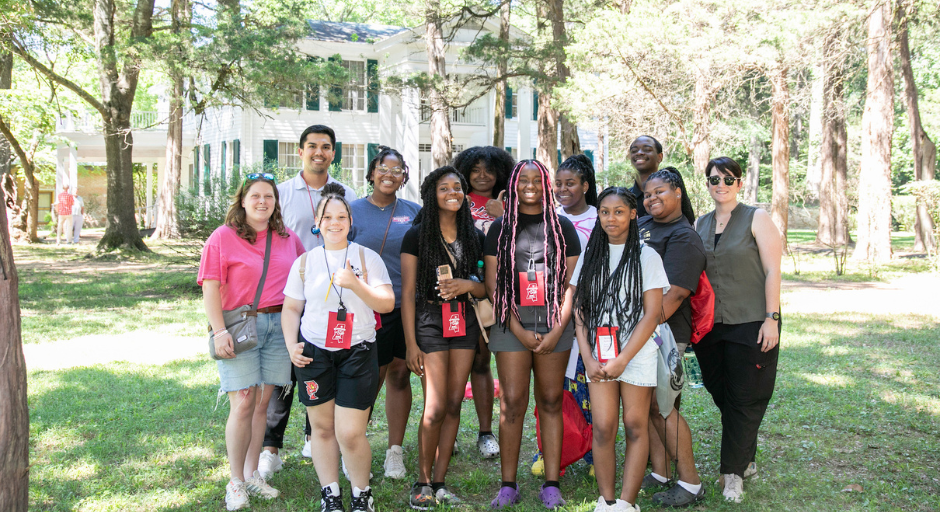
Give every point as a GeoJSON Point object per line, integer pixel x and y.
{"type": "Point", "coordinates": [396, 172]}
{"type": "Point", "coordinates": [260, 176]}
{"type": "Point", "coordinates": [729, 180]}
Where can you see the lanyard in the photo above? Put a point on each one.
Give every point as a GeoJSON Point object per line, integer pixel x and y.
{"type": "Point", "coordinates": [315, 229]}
{"type": "Point", "coordinates": [326, 261]}
{"type": "Point", "coordinates": [530, 267]}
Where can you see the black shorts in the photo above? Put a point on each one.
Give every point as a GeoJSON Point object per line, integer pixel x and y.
{"type": "Point", "coordinates": [390, 339]}
{"type": "Point", "coordinates": [429, 330]}
{"type": "Point", "coordinates": [350, 376]}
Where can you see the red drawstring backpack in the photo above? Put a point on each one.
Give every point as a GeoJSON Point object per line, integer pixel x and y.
{"type": "Point", "coordinates": [703, 309]}
{"type": "Point", "coordinates": [578, 435]}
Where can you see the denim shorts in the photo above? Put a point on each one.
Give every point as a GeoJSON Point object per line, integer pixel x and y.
{"type": "Point", "coordinates": [267, 363]}
{"type": "Point", "coordinates": [641, 370]}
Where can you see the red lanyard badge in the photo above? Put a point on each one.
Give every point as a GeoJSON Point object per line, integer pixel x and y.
{"type": "Point", "coordinates": [454, 323]}
{"type": "Point", "coordinates": [532, 286]}
{"type": "Point", "coordinates": [607, 343]}
{"type": "Point", "coordinates": [339, 329]}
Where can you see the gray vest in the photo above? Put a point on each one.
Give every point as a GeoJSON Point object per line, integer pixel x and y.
{"type": "Point", "coordinates": [734, 267]}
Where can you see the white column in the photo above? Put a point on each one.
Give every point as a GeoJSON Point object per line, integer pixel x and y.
{"type": "Point", "coordinates": [408, 141]}
{"type": "Point", "coordinates": [489, 111]}
{"type": "Point", "coordinates": [73, 168]}
{"type": "Point", "coordinates": [161, 177]}
{"type": "Point", "coordinates": [149, 214]}
{"type": "Point", "coordinates": [524, 122]}
{"type": "Point", "coordinates": [61, 168]}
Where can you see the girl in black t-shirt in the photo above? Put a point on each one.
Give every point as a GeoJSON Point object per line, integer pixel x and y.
{"type": "Point", "coordinates": [440, 350]}
{"type": "Point", "coordinates": [529, 255]}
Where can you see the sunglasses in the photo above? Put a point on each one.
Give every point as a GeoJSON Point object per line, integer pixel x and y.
{"type": "Point", "coordinates": [729, 180]}
{"type": "Point", "coordinates": [260, 176]}
{"type": "Point", "coordinates": [396, 172]}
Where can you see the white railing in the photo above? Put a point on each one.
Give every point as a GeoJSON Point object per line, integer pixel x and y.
{"type": "Point", "coordinates": [91, 122]}
{"type": "Point", "coordinates": [469, 115]}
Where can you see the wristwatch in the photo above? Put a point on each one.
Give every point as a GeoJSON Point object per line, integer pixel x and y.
{"type": "Point", "coordinates": [774, 315]}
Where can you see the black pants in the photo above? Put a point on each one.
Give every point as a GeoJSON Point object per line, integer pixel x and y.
{"type": "Point", "coordinates": [741, 381]}
{"type": "Point", "coordinates": [279, 414]}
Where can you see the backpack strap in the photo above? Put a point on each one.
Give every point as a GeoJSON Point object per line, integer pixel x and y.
{"type": "Point", "coordinates": [303, 267]}
{"type": "Point", "coordinates": [362, 261]}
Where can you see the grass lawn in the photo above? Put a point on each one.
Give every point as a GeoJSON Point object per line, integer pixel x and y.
{"type": "Point", "coordinates": [857, 402]}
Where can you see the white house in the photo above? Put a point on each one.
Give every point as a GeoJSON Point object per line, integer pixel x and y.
{"type": "Point", "coordinates": [367, 117]}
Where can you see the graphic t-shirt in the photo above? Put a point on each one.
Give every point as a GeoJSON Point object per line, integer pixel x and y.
{"type": "Point", "coordinates": [583, 224]}
{"type": "Point", "coordinates": [368, 229]}
{"type": "Point", "coordinates": [410, 245]}
{"type": "Point", "coordinates": [481, 218]}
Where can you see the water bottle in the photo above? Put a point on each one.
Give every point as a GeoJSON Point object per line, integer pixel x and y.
{"type": "Point", "coordinates": [693, 372]}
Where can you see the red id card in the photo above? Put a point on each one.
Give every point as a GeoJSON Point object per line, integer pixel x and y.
{"type": "Point", "coordinates": [607, 343]}
{"type": "Point", "coordinates": [339, 329]}
{"type": "Point", "coordinates": [454, 323]}
{"type": "Point", "coordinates": [532, 290]}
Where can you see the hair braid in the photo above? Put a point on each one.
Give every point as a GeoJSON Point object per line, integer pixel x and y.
{"type": "Point", "coordinates": [555, 269]}
{"type": "Point", "coordinates": [598, 291]}
{"type": "Point", "coordinates": [584, 168]}
{"type": "Point", "coordinates": [672, 176]}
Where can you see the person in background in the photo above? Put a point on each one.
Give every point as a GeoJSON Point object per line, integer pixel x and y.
{"type": "Point", "coordinates": [63, 209]}
{"type": "Point", "coordinates": [229, 272]}
{"type": "Point", "coordinates": [739, 356]}
{"type": "Point", "coordinates": [646, 153]}
{"type": "Point", "coordinates": [668, 230]}
{"type": "Point", "coordinates": [382, 219]}
{"type": "Point", "coordinates": [78, 216]}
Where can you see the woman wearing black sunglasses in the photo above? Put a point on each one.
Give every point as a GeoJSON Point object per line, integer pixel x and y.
{"type": "Point", "coordinates": [739, 356]}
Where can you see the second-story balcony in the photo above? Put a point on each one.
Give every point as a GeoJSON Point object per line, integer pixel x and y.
{"type": "Point", "coordinates": [90, 122]}
{"type": "Point", "coordinates": [474, 114]}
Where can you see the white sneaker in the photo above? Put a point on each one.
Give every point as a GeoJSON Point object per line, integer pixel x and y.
{"type": "Point", "coordinates": [236, 497]}
{"type": "Point", "coordinates": [749, 471]}
{"type": "Point", "coordinates": [734, 488]}
{"type": "Point", "coordinates": [269, 463]}
{"type": "Point", "coordinates": [602, 505]}
{"type": "Point", "coordinates": [305, 452]}
{"type": "Point", "coordinates": [623, 506]}
{"type": "Point", "coordinates": [256, 486]}
{"type": "Point", "coordinates": [394, 463]}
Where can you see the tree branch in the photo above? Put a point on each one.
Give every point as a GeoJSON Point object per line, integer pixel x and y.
{"type": "Point", "coordinates": [15, 144]}
{"type": "Point", "coordinates": [662, 105]}
{"type": "Point", "coordinates": [21, 51]}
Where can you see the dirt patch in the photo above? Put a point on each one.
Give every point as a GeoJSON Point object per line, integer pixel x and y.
{"type": "Point", "coordinates": [908, 294]}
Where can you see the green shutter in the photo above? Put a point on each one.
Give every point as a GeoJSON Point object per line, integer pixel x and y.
{"type": "Point", "coordinates": [270, 154]}
{"type": "Point", "coordinates": [533, 153]}
{"type": "Point", "coordinates": [372, 72]}
{"type": "Point", "coordinates": [508, 149]}
{"type": "Point", "coordinates": [372, 151]}
{"type": "Point", "coordinates": [207, 159]}
{"type": "Point", "coordinates": [313, 90]}
{"type": "Point", "coordinates": [535, 105]}
{"type": "Point", "coordinates": [236, 154]}
{"type": "Point", "coordinates": [336, 97]}
{"type": "Point", "coordinates": [590, 154]}
{"type": "Point", "coordinates": [194, 177]}
{"type": "Point", "coordinates": [222, 162]}
{"type": "Point", "coordinates": [338, 154]}
{"type": "Point", "coordinates": [559, 156]}
{"type": "Point", "coordinates": [508, 102]}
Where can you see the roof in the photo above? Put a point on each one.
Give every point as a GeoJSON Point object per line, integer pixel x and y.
{"type": "Point", "coordinates": [351, 32]}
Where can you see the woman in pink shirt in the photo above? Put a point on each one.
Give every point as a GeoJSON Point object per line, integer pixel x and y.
{"type": "Point", "coordinates": [229, 273]}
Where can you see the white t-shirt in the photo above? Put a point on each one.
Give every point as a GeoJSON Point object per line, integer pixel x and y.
{"type": "Point", "coordinates": [654, 276]}
{"type": "Point", "coordinates": [297, 206]}
{"type": "Point", "coordinates": [78, 205]}
{"type": "Point", "coordinates": [314, 291]}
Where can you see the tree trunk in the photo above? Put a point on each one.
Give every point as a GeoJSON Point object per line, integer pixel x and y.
{"type": "Point", "coordinates": [570, 142]}
{"type": "Point", "coordinates": [14, 411]}
{"type": "Point", "coordinates": [30, 183]}
{"type": "Point", "coordinates": [874, 187]}
{"type": "Point", "coordinates": [547, 152]}
{"type": "Point", "coordinates": [441, 136]}
{"type": "Point", "coordinates": [816, 109]}
{"type": "Point", "coordinates": [599, 155]}
{"type": "Point", "coordinates": [780, 151]}
{"type": "Point", "coordinates": [833, 228]}
{"type": "Point", "coordinates": [6, 81]}
{"type": "Point", "coordinates": [701, 143]}
{"type": "Point", "coordinates": [925, 151]}
{"type": "Point", "coordinates": [499, 117]}
{"type": "Point", "coordinates": [752, 180]}
{"type": "Point", "coordinates": [167, 216]}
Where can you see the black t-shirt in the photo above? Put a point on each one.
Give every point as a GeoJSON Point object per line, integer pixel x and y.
{"type": "Point", "coordinates": [409, 245]}
{"type": "Point", "coordinates": [640, 208]}
{"type": "Point", "coordinates": [530, 242]}
{"type": "Point", "coordinates": [683, 255]}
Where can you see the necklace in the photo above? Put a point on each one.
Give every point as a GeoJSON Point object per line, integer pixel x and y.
{"type": "Point", "coordinates": [380, 207]}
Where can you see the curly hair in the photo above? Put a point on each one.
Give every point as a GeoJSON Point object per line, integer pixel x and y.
{"type": "Point", "coordinates": [236, 216]}
{"type": "Point", "coordinates": [584, 168]}
{"type": "Point", "coordinates": [385, 151]}
{"type": "Point", "coordinates": [332, 192]}
{"type": "Point", "coordinates": [598, 293]}
{"type": "Point", "coordinates": [497, 161]}
{"type": "Point", "coordinates": [431, 247]}
{"type": "Point", "coordinates": [671, 176]}
{"type": "Point", "coordinates": [505, 300]}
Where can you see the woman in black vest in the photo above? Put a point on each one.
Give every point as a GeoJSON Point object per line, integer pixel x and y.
{"type": "Point", "coordinates": [739, 356]}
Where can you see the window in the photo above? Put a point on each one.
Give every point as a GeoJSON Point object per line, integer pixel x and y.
{"type": "Point", "coordinates": [354, 163]}
{"type": "Point", "coordinates": [354, 94]}
{"type": "Point", "coordinates": [426, 148]}
{"type": "Point", "coordinates": [287, 157]}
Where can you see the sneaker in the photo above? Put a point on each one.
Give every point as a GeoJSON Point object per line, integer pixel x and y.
{"type": "Point", "coordinates": [507, 496]}
{"type": "Point", "coordinates": [749, 471]}
{"type": "Point", "coordinates": [678, 496]}
{"type": "Point", "coordinates": [256, 486]}
{"type": "Point", "coordinates": [488, 446]}
{"type": "Point", "coordinates": [331, 498]}
{"type": "Point", "coordinates": [363, 502]}
{"type": "Point", "coordinates": [305, 451]}
{"type": "Point", "coordinates": [394, 463]}
{"type": "Point", "coordinates": [422, 497]}
{"type": "Point", "coordinates": [269, 463]}
{"type": "Point", "coordinates": [236, 498]}
{"type": "Point", "coordinates": [651, 482]}
{"type": "Point", "coordinates": [538, 466]}
{"type": "Point", "coordinates": [623, 506]}
{"type": "Point", "coordinates": [734, 488]}
{"type": "Point", "coordinates": [443, 496]}
{"type": "Point", "coordinates": [602, 505]}
{"type": "Point", "coordinates": [346, 471]}
{"type": "Point", "coordinates": [551, 497]}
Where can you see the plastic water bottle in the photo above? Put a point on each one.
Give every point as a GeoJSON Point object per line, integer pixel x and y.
{"type": "Point", "coordinates": [693, 372]}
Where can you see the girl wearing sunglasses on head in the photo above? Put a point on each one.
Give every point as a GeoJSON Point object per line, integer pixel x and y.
{"type": "Point", "coordinates": [739, 356]}
{"type": "Point", "coordinates": [229, 273]}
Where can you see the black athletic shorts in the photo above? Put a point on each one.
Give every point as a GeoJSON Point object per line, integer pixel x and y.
{"type": "Point", "coordinates": [390, 339]}
{"type": "Point", "coordinates": [349, 376]}
{"type": "Point", "coordinates": [429, 330]}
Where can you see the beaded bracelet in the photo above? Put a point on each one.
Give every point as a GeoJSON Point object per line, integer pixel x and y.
{"type": "Point", "coordinates": [220, 332]}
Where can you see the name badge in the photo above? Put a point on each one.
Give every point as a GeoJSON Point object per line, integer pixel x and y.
{"type": "Point", "coordinates": [607, 343]}
{"type": "Point", "coordinates": [454, 323]}
{"type": "Point", "coordinates": [532, 288]}
{"type": "Point", "coordinates": [339, 329]}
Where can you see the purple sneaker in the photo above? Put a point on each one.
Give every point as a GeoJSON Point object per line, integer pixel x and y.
{"type": "Point", "coordinates": [507, 496]}
{"type": "Point", "coordinates": [551, 497]}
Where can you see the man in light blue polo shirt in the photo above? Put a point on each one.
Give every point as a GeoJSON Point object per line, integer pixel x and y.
{"type": "Point", "coordinates": [298, 199]}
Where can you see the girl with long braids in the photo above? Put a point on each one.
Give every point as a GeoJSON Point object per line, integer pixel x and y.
{"type": "Point", "coordinates": [619, 286]}
{"type": "Point", "coordinates": [439, 275]}
{"type": "Point", "coordinates": [576, 192]}
{"type": "Point", "coordinates": [668, 230]}
{"type": "Point", "coordinates": [331, 295]}
{"type": "Point", "coordinates": [529, 254]}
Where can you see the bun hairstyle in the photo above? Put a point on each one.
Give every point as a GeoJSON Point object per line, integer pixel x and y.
{"type": "Point", "coordinates": [584, 168]}
{"type": "Point", "coordinates": [332, 192]}
{"type": "Point", "coordinates": [672, 176]}
{"type": "Point", "coordinates": [385, 151]}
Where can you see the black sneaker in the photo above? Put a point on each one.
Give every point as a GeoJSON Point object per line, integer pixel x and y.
{"type": "Point", "coordinates": [332, 500]}
{"type": "Point", "coordinates": [363, 502]}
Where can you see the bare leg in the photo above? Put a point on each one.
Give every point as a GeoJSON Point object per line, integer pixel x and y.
{"type": "Point", "coordinates": [351, 436]}
{"type": "Point", "coordinates": [636, 410]}
{"type": "Point", "coordinates": [605, 411]}
{"type": "Point", "coordinates": [259, 422]}
{"type": "Point", "coordinates": [658, 456]}
{"type": "Point", "coordinates": [397, 401]}
{"type": "Point", "coordinates": [326, 456]}
{"type": "Point", "coordinates": [481, 382]}
{"type": "Point", "coordinates": [435, 408]}
{"type": "Point", "coordinates": [685, 466]}
{"type": "Point", "coordinates": [458, 370]}
{"type": "Point", "coordinates": [238, 429]}
{"type": "Point", "coordinates": [514, 369]}
{"type": "Point", "coordinates": [549, 372]}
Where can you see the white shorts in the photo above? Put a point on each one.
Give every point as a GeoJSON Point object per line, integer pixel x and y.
{"type": "Point", "coordinates": [641, 370]}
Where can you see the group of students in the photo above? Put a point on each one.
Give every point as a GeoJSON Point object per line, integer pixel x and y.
{"type": "Point", "coordinates": [578, 281]}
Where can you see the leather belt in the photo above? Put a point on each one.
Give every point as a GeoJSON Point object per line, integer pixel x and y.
{"type": "Point", "coordinates": [271, 309]}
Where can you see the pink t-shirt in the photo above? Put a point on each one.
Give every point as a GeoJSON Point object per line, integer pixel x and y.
{"type": "Point", "coordinates": [237, 265]}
